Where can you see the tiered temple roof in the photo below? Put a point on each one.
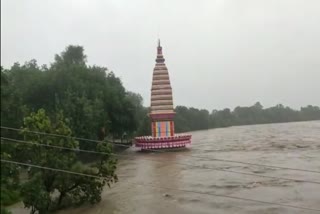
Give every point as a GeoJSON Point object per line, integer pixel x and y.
{"type": "Point", "coordinates": [161, 91]}
{"type": "Point", "coordinates": [162, 112]}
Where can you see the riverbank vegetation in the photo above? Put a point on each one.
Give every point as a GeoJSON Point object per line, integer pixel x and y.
{"type": "Point", "coordinates": [190, 119]}
{"type": "Point", "coordinates": [71, 98]}
{"type": "Point", "coordinates": [67, 98]}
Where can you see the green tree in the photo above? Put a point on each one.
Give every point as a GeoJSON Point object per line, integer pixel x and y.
{"type": "Point", "coordinates": [9, 181]}
{"type": "Point", "coordinates": [222, 118]}
{"type": "Point", "coordinates": [310, 113]}
{"type": "Point", "coordinates": [48, 190]}
{"type": "Point", "coordinates": [144, 128]}
{"type": "Point", "coordinates": [91, 97]}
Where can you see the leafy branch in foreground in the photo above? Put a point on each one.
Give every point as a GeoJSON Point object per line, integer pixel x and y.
{"type": "Point", "coordinates": [47, 190]}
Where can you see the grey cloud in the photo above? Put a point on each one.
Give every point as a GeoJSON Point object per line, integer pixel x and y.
{"type": "Point", "coordinates": [220, 53]}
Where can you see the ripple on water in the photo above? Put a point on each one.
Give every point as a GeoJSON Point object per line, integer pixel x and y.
{"type": "Point", "coordinates": [295, 145]}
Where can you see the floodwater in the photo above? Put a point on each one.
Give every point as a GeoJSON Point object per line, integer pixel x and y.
{"type": "Point", "coordinates": [151, 182]}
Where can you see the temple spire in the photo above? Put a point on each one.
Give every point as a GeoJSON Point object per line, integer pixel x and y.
{"type": "Point", "coordinates": [160, 58]}
{"type": "Point", "coordinates": [162, 112]}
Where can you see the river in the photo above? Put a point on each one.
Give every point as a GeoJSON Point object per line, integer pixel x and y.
{"type": "Point", "coordinates": [294, 145]}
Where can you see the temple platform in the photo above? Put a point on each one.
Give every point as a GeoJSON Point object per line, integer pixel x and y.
{"type": "Point", "coordinates": [155, 143]}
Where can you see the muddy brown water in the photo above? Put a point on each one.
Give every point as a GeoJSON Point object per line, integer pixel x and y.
{"type": "Point", "coordinates": [295, 145]}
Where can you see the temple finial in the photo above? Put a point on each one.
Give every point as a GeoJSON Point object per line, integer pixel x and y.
{"type": "Point", "coordinates": [160, 58]}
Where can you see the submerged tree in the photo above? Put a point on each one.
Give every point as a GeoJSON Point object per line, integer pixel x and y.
{"type": "Point", "coordinates": [48, 189]}
{"type": "Point", "coordinates": [9, 179]}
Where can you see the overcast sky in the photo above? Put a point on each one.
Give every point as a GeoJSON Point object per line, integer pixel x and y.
{"type": "Point", "coordinates": [220, 53]}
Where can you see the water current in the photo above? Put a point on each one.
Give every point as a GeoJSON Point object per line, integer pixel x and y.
{"type": "Point", "coordinates": [151, 182]}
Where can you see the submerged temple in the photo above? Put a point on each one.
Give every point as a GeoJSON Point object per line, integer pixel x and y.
{"type": "Point", "coordinates": [161, 99]}
{"type": "Point", "coordinates": [162, 112]}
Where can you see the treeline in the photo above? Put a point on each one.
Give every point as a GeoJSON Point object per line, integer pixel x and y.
{"type": "Point", "coordinates": [92, 98]}
{"type": "Point", "coordinates": [70, 98]}
{"type": "Point", "coordinates": [190, 119]}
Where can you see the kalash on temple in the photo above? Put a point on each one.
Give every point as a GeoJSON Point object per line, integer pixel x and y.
{"type": "Point", "coordinates": [162, 112]}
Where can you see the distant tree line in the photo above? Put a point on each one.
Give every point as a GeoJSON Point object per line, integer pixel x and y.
{"type": "Point", "coordinates": [190, 119]}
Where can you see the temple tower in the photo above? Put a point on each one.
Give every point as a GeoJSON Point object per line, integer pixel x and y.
{"type": "Point", "coordinates": [162, 111]}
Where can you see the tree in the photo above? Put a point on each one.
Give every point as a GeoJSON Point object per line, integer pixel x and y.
{"type": "Point", "coordinates": [48, 190]}
{"type": "Point", "coordinates": [144, 128]}
{"type": "Point", "coordinates": [310, 113]}
{"type": "Point", "coordinates": [9, 181]}
{"type": "Point", "coordinates": [222, 118]}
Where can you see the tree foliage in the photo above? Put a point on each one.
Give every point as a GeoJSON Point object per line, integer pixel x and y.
{"type": "Point", "coordinates": [48, 190]}
{"type": "Point", "coordinates": [94, 105]}
{"type": "Point", "coordinates": [9, 181]}
{"type": "Point", "coordinates": [189, 119]}
{"type": "Point", "coordinates": [92, 98]}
